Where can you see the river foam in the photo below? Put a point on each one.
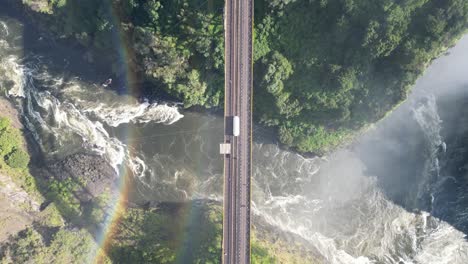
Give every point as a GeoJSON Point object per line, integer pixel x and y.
{"type": "Point", "coordinates": [52, 111]}
{"type": "Point", "coordinates": [145, 112]}
{"type": "Point", "coordinates": [333, 203]}
{"type": "Point", "coordinates": [344, 213]}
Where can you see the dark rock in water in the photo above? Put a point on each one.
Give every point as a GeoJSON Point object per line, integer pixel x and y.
{"type": "Point", "coordinates": [443, 147]}
{"type": "Point", "coordinates": [93, 172]}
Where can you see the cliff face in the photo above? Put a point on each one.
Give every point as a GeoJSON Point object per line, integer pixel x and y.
{"type": "Point", "coordinates": [18, 209]}
{"type": "Point", "coordinates": [32, 226]}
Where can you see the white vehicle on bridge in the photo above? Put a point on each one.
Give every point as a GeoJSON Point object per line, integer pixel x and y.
{"type": "Point", "coordinates": [235, 126]}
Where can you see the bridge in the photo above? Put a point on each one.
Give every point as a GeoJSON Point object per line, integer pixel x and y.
{"type": "Point", "coordinates": [237, 146]}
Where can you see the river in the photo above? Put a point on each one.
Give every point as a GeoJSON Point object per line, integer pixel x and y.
{"type": "Point", "coordinates": [382, 200]}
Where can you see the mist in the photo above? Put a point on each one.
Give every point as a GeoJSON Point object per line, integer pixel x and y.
{"type": "Point", "coordinates": [385, 197]}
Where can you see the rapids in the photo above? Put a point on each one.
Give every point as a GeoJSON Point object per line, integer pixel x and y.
{"type": "Point", "coordinates": [378, 201]}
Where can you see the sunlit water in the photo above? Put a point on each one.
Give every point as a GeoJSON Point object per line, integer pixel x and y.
{"type": "Point", "coordinates": [372, 203]}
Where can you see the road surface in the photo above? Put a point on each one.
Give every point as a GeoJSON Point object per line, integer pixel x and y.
{"type": "Point", "coordinates": [238, 102]}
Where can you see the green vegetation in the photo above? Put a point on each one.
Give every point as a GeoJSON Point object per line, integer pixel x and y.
{"type": "Point", "coordinates": [266, 252]}
{"type": "Point", "coordinates": [49, 240]}
{"type": "Point", "coordinates": [51, 217]}
{"type": "Point", "coordinates": [176, 45]}
{"type": "Point", "coordinates": [18, 158]}
{"type": "Point", "coordinates": [62, 193]}
{"type": "Point", "coordinates": [351, 62]}
{"type": "Point", "coordinates": [260, 255]}
{"type": "Point", "coordinates": [11, 149]}
{"type": "Point", "coordinates": [10, 139]}
{"type": "Point", "coordinates": [140, 237]}
{"type": "Point", "coordinates": [323, 68]}
{"type": "Point", "coordinates": [66, 246]}
{"type": "Point", "coordinates": [172, 233]}
{"type": "Point", "coordinates": [13, 157]}
{"type": "Point", "coordinates": [182, 233]}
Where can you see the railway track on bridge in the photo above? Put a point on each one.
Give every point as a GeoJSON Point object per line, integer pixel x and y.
{"type": "Point", "coordinates": [238, 103]}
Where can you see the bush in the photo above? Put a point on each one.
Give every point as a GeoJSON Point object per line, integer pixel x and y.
{"type": "Point", "coordinates": [66, 246]}
{"type": "Point", "coordinates": [17, 159]}
{"type": "Point", "coordinates": [4, 123]}
{"type": "Point", "coordinates": [9, 140]}
{"type": "Point", "coordinates": [51, 217]}
{"type": "Point", "coordinates": [62, 193]}
{"type": "Point", "coordinates": [24, 247]}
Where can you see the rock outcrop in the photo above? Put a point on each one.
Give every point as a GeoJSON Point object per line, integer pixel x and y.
{"type": "Point", "coordinates": [93, 172]}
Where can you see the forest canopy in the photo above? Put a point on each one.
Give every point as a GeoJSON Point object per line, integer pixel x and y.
{"type": "Point", "coordinates": [323, 68]}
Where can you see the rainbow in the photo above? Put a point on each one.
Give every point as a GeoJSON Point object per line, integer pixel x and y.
{"type": "Point", "coordinates": [114, 212]}
{"type": "Point", "coordinates": [118, 205]}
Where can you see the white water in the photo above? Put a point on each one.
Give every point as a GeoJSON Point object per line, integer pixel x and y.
{"type": "Point", "coordinates": [15, 74]}
{"type": "Point", "coordinates": [69, 122]}
{"type": "Point", "coordinates": [342, 212]}
{"type": "Point", "coordinates": [427, 117]}
{"type": "Point", "coordinates": [4, 29]}
{"type": "Point", "coordinates": [115, 109]}
{"type": "Point", "coordinates": [139, 113]}
{"type": "Point", "coordinates": [332, 202]}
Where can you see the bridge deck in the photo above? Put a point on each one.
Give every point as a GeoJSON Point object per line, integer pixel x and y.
{"type": "Point", "coordinates": [238, 102]}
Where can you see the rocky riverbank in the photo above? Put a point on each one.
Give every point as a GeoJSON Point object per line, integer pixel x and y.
{"type": "Point", "coordinates": [93, 172]}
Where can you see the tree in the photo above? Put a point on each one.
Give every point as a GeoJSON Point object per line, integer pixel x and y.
{"type": "Point", "coordinates": [193, 90]}
{"type": "Point", "coordinates": [331, 64]}
{"type": "Point", "coordinates": [9, 140]}
{"type": "Point", "coordinates": [18, 158]}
